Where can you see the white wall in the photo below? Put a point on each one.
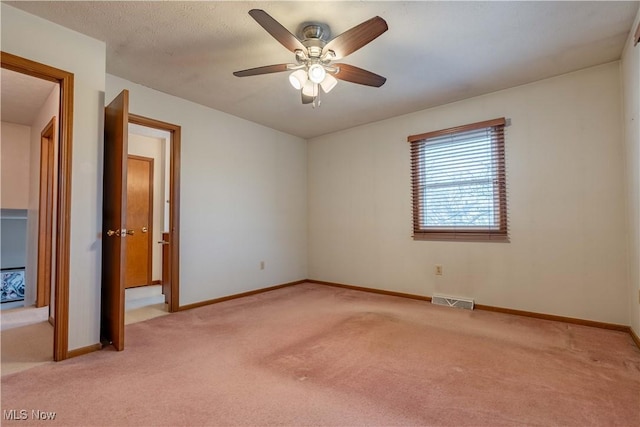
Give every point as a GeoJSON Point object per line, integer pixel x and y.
{"type": "Point", "coordinates": [631, 91]}
{"type": "Point", "coordinates": [243, 197]}
{"type": "Point", "coordinates": [14, 165]}
{"type": "Point", "coordinates": [564, 150]}
{"type": "Point", "coordinates": [13, 245]}
{"type": "Point", "coordinates": [36, 39]}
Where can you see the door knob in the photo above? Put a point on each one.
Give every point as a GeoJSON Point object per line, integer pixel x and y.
{"type": "Point", "coordinates": [110, 233]}
{"type": "Point", "coordinates": [145, 229]}
{"type": "Point", "coordinates": [130, 232]}
{"type": "Point", "coordinates": [163, 242]}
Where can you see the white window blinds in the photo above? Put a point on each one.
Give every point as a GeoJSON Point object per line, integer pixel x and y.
{"type": "Point", "coordinates": [459, 183]}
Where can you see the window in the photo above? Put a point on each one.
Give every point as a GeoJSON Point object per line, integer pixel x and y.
{"type": "Point", "coordinates": [459, 183]}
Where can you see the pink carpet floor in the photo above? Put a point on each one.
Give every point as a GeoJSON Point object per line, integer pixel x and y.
{"type": "Point", "coordinates": [317, 355]}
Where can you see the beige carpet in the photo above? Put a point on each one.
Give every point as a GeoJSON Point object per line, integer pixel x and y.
{"type": "Point", "coordinates": [25, 347]}
{"type": "Point", "coordinates": [316, 355]}
{"type": "Point", "coordinates": [23, 316]}
{"type": "Point", "coordinates": [141, 314]}
{"type": "Point", "coordinates": [26, 339]}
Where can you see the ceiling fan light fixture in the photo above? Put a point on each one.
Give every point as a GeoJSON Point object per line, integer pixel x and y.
{"type": "Point", "coordinates": [328, 83]}
{"type": "Point", "coordinates": [310, 89]}
{"type": "Point", "coordinates": [298, 79]}
{"type": "Point", "coordinates": [317, 73]}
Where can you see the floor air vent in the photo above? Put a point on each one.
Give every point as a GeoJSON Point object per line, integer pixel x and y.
{"type": "Point", "coordinates": [452, 302]}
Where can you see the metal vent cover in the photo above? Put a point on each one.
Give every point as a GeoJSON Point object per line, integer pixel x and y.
{"type": "Point", "coordinates": [449, 301]}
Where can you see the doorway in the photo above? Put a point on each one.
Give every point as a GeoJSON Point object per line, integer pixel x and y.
{"type": "Point", "coordinates": [148, 171]}
{"type": "Point", "coordinates": [125, 238]}
{"type": "Point", "coordinates": [166, 238]}
{"type": "Point", "coordinates": [60, 198]}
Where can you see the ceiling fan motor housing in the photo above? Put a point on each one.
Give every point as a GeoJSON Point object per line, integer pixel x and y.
{"type": "Point", "coordinates": [314, 38]}
{"type": "Point", "coordinates": [314, 30]}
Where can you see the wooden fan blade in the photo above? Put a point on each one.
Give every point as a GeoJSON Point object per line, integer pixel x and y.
{"type": "Point", "coordinates": [358, 36]}
{"type": "Point", "coordinates": [352, 74]}
{"type": "Point", "coordinates": [306, 99]}
{"type": "Point", "coordinates": [276, 30]}
{"type": "Point", "coordinates": [267, 69]}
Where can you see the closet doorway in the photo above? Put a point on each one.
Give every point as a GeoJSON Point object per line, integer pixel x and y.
{"type": "Point", "coordinates": [148, 201]}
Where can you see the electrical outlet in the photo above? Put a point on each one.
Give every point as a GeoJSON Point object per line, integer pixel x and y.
{"type": "Point", "coordinates": [438, 270]}
{"type": "Point", "coordinates": [261, 265]}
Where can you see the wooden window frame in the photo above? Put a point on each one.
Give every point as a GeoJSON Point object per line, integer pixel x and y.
{"type": "Point", "coordinates": [493, 234]}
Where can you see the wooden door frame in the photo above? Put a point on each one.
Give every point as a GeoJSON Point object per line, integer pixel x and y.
{"type": "Point", "coordinates": [174, 198]}
{"type": "Point", "coordinates": [45, 212]}
{"type": "Point", "coordinates": [150, 216]}
{"type": "Point", "coordinates": [63, 190]}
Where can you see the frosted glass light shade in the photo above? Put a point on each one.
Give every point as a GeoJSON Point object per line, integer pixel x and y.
{"type": "Point", "coordinates": [328, 83]}
{"type": "Point", "coordinates": [298, 78]}
{"type": "Point", "coordinates": [317, 73]}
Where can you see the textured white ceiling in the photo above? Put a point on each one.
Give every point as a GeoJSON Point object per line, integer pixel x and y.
{"type": "Point", "coordinates": [22, 96]}
{"type": "Point", "coordinates": [434, 52]}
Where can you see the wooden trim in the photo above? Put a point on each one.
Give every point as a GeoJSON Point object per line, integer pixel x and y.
{"type": "Point", "coordinates": [602, 325]}
{"type": "Point", "coordinates": [458, 236]}
{"type": "Point", "coordinates": [150, 228]}
{"type": "Point", "coordinates": [372, 290]}
{"type": "Point", "coordinates": [63, 208]}
{"type": "Point", "coordinates": [84, 350]}
{"type": "Point", "coordinates": [464, 128]}
{"type": "Point", "coordinates": [156, 282]}
{"type": "Point", "coordinates": [166, 266]}
{"type": "Point", "coordinates": [31, 68]}
{"type": "Point", "coordinates": [634, 337]}
{"type": "Point", "coordinates": [45, 212]}
{"type": "Point", "coordinates": [174, 197]}
{"type": "Point", "coordinates": [174, 222]}
{"type": "Point", "coordinates": [63, 219]}
{"type": "Point", "coordinates": [240, 295]}
{"type": "Point", "coordinates": [555, 318]}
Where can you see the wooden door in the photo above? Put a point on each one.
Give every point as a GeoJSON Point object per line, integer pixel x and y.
{"type": "Point", "coordinates": [139, 221]}
{"type": "Point", "coordinates": [114, 211]}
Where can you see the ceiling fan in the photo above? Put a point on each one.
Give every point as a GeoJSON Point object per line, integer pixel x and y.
{"type": "Point", "coordinates": [314, 55]}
